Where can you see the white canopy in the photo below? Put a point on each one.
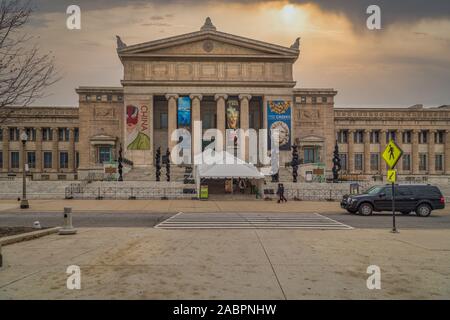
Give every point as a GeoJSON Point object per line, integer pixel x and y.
{"type": "Point", "coordinates": [223, 171]}
{"type": "Point", "coordinates": [226, 166]}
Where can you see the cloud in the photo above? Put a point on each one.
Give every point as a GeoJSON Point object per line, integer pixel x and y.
{"type": "Point", "coordinates": [398, 11]}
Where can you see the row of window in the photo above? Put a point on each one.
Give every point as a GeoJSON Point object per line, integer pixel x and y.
{"type": "Point", "coordinates": [99, 97]}
{"type": "Point", "coordinates": [375, 136]}
{"type": "Point", "coordinates": [314, 100]}
{"type": "Point", "coordinates": [63, 134]}
{"type": "Point", "coordinates": [14, 159]}
{"type": "Point", "coordinates": [406, 162]}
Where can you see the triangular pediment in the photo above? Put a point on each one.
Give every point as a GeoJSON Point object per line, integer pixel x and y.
{"type": "Point", "coordinates": [208, 43]}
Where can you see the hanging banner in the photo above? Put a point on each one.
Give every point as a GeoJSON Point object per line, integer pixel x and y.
{"type": "Point", "coordinates": [184, 112]}
{"type": "Point", "coordinates": [279, 117]}
{"type": "Point", "coordinates": [233, 114]}
{"type": "Point", "coordinates": [233, 121]}
{"type": "Point", "coordinates": [138, 124]}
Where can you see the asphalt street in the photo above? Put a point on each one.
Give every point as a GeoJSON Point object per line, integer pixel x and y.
{"type": "Point", "coordinates": [142, 219]}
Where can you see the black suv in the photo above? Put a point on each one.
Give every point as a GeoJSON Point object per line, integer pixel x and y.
{"type": "Point", "coordinates": [420, 198]}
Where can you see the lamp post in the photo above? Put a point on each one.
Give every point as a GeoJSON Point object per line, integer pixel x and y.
{"type": "Point", "coordinates": [24, 202]}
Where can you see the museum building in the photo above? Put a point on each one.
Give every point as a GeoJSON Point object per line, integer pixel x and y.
{"type": "Point", "coordinates": [227, 82]}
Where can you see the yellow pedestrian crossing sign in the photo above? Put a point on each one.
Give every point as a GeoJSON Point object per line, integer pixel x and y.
{"type": "Point", "coordinates": [392, 154]}
{"type": "Point", "coordinates": [392, 176]}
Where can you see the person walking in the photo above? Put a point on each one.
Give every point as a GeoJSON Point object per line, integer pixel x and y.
{"type": "Point", "coordinates": [280, 193]}
{"type": "Point", "coordinates": [242, 185]}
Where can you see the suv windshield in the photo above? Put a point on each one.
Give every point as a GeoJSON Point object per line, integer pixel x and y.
{"type": "Point", "coordinates": [374, 190]}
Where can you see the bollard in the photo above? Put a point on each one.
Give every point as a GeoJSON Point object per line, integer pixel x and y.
{"type": "Point", "coordinates": [67, 228]}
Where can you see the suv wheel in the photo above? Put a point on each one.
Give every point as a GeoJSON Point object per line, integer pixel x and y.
{"type": "Point", "coordinates": [365, 209]}
{"type": "Point", "coordinates": [423, 210]}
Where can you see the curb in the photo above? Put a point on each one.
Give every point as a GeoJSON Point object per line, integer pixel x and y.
{"type": "Point", "coordinates": [27, 236]}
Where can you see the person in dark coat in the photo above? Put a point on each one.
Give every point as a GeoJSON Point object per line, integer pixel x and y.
{"type": "Point", "coordinates": [280, 193]}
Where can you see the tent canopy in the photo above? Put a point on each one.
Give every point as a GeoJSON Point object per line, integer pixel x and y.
{"type": "Point", "coordinates": [229, 167]}
{"type": "Point", "coordinates": [223, 171]}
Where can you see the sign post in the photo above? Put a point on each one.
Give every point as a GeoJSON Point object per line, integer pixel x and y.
{"type": "Point", "coordinates": [391, 155]}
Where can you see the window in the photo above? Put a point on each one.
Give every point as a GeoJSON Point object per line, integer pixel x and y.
{"type": "Point", "coordinates": [374, 162]}
{"type": "Point", "coordinates": [15, 160]}
{"type": "Point", "coordinates": [63, 160]}
{"type": "Point", "coordinates": [407, 137]}
{"type": "Point", "coordinates": [31, 133]}
{"type": "Point", "coordinates": [310, 155]}
{"type": "Point", "coordinates": [76, 133]}
{"type": "Point", "coordinates": [14, 134]}
{"type": "Point", "coordinates": [109, 97]}
{"type": "Point", "coordinates": [375, 136]}
{"type": "Point", "coordinates": [120, 97]}
{"type": "Point", "coordinates": [391, 134]}
{"type": "Point", "coordinates": [439, 137]}
{"type": "Point", "coordinates": [88, 98]}
{"type": "Point", "coordinates": [48, 161]}
{"type": "Point", "coordinates": [31, 159]}
{"type": "Point", "coordinates": [423, 136]}
{"type": "Point", "coordinates": [358, 136]}
{"type": "Point", "coordinates": [422, 161]}
{"type": "Point", "coordinates": [439, 162]}
{"type": "Point", "coordinates": [77, 160]}
{"type": "Point", "coordinates": [324, 99]}
{"type": "Point", "coordinates": [98, 98]}
{"type": "Point", "coordinates": [63, 134]}
{"type": "Point", "coordinates": [163, 121]}
{"type": "Point", "coordinates": [406, 162]}
{"type": "Point", "coordinates": [404, 191]}
{"type": "Point", "coordinates": [104, 154]}
{"type": "Point", "coordinates": [303, 99]}
{"type": "Point", "coordinates": [314, 100]}
{"type": "Point", "coordinates": [359, 161]}
{"type": "Point", "coordinates": [342, 136]}
{"type": "Point", "coordinates": [343, 157]}
{"type": "Point", "coordinates": [47, 134]}
{"type": "Point", "coordinates": [1, 159]}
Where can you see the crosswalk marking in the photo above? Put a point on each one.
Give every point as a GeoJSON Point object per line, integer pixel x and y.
{"type": "Point", "coordinates": [251, 221]}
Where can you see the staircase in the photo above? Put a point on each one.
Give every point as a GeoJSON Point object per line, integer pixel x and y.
{"type": "Point", "coordinates": [140, 174]}
{"type": "Point", "coordinates": [177, 174]}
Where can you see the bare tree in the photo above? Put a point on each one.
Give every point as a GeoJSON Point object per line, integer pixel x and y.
{"type": "Point", "coordinates": [24, 71]}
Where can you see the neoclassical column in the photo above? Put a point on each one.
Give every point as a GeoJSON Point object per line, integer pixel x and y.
{"type": "Point", "coordinates": [415, 151]}
{"type": "Point", "coordinates": [71, 150]}
{"type": "Point", "coordinates": [39, 166]}
{"type": "Point", "coordinates": [351, 152]}
{"type": "Point", "coordinates": [431, 153]}
{"type": "Point", "coordinates": [221, 115]}
{"type": "Point", "coordinates": [367, 169]}
{"type": "Point", "coordinates": [5, 149]}
{"type": "Point", "coordinates": [196, 100]}
{"type": "Point", "coordinates": [447, 152]}
{"type": "Point", "coordinates": [55, 151]}
{"type": "Point", "coordinates": [383, 137]}
{"type": "Point", "coordinates": [171, 118]}
{"type": "Point", "coordinates": [245, 122]}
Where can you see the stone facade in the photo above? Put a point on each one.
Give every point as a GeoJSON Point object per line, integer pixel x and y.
{"type": "Point", "coordinates": [211, 68]}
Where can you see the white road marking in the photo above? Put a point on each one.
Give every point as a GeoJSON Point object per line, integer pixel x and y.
{"type": "Point", "coordinates": [251, 221]}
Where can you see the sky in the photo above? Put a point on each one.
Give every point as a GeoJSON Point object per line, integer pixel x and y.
{"type": "Point", "coordinates": [407, 62]}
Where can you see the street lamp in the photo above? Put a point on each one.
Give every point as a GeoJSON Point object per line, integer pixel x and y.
{"type": "Point", "coordinates": [24, 202]}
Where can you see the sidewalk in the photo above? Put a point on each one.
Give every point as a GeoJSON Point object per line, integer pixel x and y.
{"type": "Point", "coordinates": [148, 263]}
{"type": "Point", "coordinates": [172, 206]}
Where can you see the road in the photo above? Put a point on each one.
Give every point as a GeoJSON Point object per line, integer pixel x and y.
{"type": "Point", "coordinates": [140, 219]}
{"type": "Point", "coordinates": [85, 219]}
